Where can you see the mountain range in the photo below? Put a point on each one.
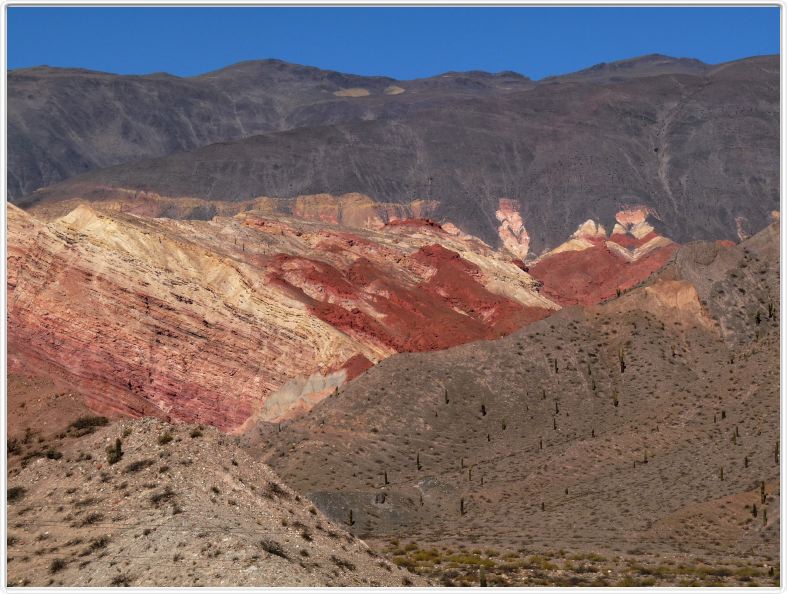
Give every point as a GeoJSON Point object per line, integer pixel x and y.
{"type": "Point", "coordinates": [505, 331]}
{"type": "Point", "coordinates": [696, 144]}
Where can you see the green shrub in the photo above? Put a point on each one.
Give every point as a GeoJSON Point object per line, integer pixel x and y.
{"type": "Point", "coordinates": [89, 422]}
{"type": "Point", "coordinates": [15, 494]}
{"type": "Point", "coordinates": [57, 565]}
{"type": "Point", "coordinates": [115, 452]}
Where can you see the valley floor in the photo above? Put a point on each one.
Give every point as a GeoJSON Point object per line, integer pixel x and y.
{"type": "Point", "coordinates": [468, 565]}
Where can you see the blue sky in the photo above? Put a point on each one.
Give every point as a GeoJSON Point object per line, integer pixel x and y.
{"type": "Point", "coordinates": [399, 42]}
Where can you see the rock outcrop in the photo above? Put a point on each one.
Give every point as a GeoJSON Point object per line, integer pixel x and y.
{"type": "Point", "coordinates": [204, 320]}
{"type": "Point", "coordinates": [261, 315]}
{"type": "Point", "coordinates": [590, 267]}
{"type": "Point", "coordinates": [512, 232]}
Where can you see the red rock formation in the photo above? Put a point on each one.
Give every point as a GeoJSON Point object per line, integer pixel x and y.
{"type": "Point", "coordinates": [264, 315]}
{"type": "Point", "coordinates": [589, 268]}
{"type": "Point", "coordinates": [589, 276]}
{"type": "Point", "coordinates": [202, 320]}
{"type": "Point", "coordinates": [356, 365]}
{"type": "Point", "coordinates": [450, 306]}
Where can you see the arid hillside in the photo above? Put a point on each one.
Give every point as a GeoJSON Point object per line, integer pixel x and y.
{"type": "Point", "coordinates": [176, 506]}
{"type": "Point", "coordinates": [66, 121]}
{"type": "Point", "coordinates": [648, 423]}
{"type": "Point", "coordinates": [262, 314]}
{"type": "Point", "coordinates": [696, 145]}
{"type": "Point", "coordinates": [281, 326]}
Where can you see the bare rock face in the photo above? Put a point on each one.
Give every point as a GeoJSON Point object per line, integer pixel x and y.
{"type": "Point", "coordinates": [590, 267]}
{"type": "Point", "coordinates": [512, 232]}
{"type": "Point", "coordinates": [260, 315]}
{"type": "Point", "coordinates": [148, 322]}
{"type": "Point", "coordinates": [204, 320]}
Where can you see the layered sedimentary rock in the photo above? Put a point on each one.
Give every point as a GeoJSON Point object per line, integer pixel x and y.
{"type": "Point", "coordinates": [203, 320]}
{"type": "Point", "coordinates": [511, 231]}
{"type": "Point", "coordinates": [590, 267]}
{"type": "Point", "coordinates": [350, 210]}
{"type": "Point", "coordinates": [147, 321]}
{"type": "Point", "coordinates": [265, 312]}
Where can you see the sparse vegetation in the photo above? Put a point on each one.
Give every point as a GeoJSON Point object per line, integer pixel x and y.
{"type": "Point", "coordinates": [138, 465]}
{"type": "Point", "coordinates": [115, 452]}
{"type": "Point", "coordinates": [57, 565]}
{"type": "Point", "coordinates": [15, 494]}
{"type": "Point", "coordinates": [274, 548]}
{"type": "Point", "coordinates": [89, 422]}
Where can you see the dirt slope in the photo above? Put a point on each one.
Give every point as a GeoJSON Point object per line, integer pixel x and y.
{"type": "Point", "coordinates": [182, 507]}
{"type": "Point", "coordinates": [643, 423]}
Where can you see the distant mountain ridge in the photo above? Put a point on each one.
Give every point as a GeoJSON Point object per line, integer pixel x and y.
{"type": "Point", "coordinates": [137, 116]}
{"type": "Point", "coordinates": [64, 122]}
{"type": "Point", "coordinates": [700, 151]}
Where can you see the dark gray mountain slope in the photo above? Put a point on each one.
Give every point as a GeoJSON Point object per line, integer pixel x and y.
{"type": "Point", "coordinates": [701, 150]}
{"type": "Point", "coordinates": [63, 122]}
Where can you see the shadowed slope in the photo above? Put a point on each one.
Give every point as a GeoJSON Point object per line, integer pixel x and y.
{"type": "Point", "coordinates": [63, 122]}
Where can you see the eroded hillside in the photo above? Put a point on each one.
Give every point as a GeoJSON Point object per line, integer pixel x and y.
{"type": "Point", "coordinates": [261, 314]}
{"type": "Point", "coordinates": [176, 506]}
{"type": "Point", "coordinates": [647, 423]}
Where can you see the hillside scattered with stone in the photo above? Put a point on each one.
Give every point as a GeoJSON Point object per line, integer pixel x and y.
{"type": "Point", "coordinates": [182, 506]}
{"type": "Point", "coordinates": [648, 423]}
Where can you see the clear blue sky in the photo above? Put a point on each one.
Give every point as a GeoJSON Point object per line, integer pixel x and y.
{"type": "Point", "coordinates": [398, 42]}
